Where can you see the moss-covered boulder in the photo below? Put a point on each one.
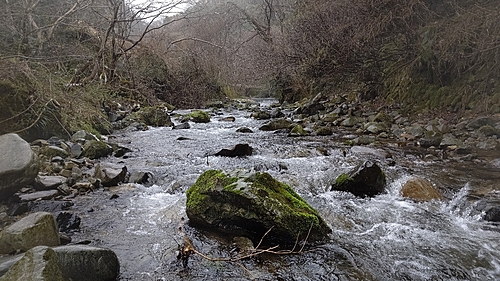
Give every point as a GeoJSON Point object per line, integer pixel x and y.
{"type": "Point", "coordinates": [365, 180]}
{"type": "Point", "coordinates": [96, 149]}
{"type": "Point", "coordinates": [248, 203]}
{"type": "Point", "coordinates": [277, 124]}
{"type": "Point", "coordinates": [199, 116]}
{"type": "Point", "coordinates": [155, 116]}
{"type": "Point", "coordinates": [298, 131]}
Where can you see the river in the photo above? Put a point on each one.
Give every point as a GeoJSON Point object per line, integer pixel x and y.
{"type": "Point", "coordinates": [386, 237]}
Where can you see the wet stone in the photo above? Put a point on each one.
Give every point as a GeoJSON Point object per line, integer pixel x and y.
{"type": "Point", "coordinates": [44, 195]}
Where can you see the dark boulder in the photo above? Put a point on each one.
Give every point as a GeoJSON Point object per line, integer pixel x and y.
{"type": "Point", "coordinates": [83, 263]}
{"type": "Point", "coordinates": [480, 122]}
{"type": "Point", "coordinates": [365, 180]}
{"type": "Point", "coordinates": [239, 150]}
{"type": "Point", "coordinates": [244, 130]}
{"type": "Point", "coordinates": [247, 203]}
{"type": "Point", "coordinates": [67, 221]}
{"type": "Point", "coordinates": [492, 214]}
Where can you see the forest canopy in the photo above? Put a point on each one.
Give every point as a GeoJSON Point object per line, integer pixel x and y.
{"type": "Point", "coordinates": [62, 59]}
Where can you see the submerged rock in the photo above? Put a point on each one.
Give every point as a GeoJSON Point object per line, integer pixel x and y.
{"type": "Point", "coordinates": [247, 203]}
{"type": "Point", "coordinates": [420, 190]}
{"type": "Point", "coordinates": [244, 130]}
{"type": "Point", "coordinates": [239, 150]}
{"type": "Point", "coordinates": [365, 180]}
{"type": "Point", "coordinates": [18, 164]}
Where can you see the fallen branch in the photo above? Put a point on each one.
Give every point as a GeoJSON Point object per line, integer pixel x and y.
{"type": "Point", "coordinates": [186, 249]}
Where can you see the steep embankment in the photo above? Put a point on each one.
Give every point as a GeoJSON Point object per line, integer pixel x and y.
{"type": "Point", "coordinates": [423, 55]}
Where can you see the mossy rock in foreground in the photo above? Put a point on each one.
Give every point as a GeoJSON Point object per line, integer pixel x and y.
{"type": "Point", "coordinates": [248, 203]}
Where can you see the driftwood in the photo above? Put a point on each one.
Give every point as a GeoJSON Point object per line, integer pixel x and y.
{"type": "Point", "coordinates": [186, 249]}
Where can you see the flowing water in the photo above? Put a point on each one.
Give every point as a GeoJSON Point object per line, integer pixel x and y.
{"type": "Point", "coordinates": [386, 237]}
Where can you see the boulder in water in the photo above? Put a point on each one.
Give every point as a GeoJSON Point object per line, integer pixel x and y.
{"type": "Point", "coordinates": [365, 180]}
{"type": "Point", "coordinates": [182, 126]}
{"type": "Point", "coordinates": [248, 203]}
{"type": "Point", "coordinates": [110, 174]}
{"type": "Point", "coordinates": [199, 116]}
{"type": "Point", "coordinates": [68, 221]}
{"type": "Point", "coordinates": [276, 125]}
{"type": "Point", "coordinates": [18, 164]}
{"type": "Point", "coordinates": [298, 131]}
{"type": "Point", "coordinates": [239, 150]}
{"type": "Point", "coordinates": [420, 189]}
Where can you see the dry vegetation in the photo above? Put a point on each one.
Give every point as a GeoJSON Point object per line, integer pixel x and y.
{"type": "Point", "coordinates": [58, 67]}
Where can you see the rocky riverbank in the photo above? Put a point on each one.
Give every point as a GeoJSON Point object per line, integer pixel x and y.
{"type": "Point", "coordinates": [53, 172]}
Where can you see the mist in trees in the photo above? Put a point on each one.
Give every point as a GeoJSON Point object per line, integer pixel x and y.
{"type": "Point", "coordinates": [441, 54]}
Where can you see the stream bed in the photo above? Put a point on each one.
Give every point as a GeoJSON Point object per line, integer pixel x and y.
{"type": "Point", "coordinates": [387, 237]}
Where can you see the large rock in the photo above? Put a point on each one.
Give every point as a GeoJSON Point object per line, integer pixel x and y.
{"type": "Point", "coordinates": [420, 189]}
{"type": "Point", "coordinates": [248, 204]}
{"type": "Point", "coordinates": [155, 116]}
{"type": "Point", "coordinates": [34, 230]}
{"type": "Point", "coordinates": [7, 262]}
{"type": "Point", "coordinates": [239, 150]}
{"type": "Point", "coordinates": [110, 174]}
{"type": "Point", "coordinates": [480, 122]}
{"type": "Point", "coordinates": [84, 263]}
{"type": "Point", "coordinates": [48, 182]}
{"type": "Point", "coordinates": [298, 131]}
{"type": "Point", "coordinates": [96, 149]}
{"type": "Point", "coordinates": [38, 264]}
{"type": "Point", "coordinates": [365, 180]}
{"type": "Point", "coordinates": [352, 121]}
{"type": "Point", "coordinates": [276, 125]}
{"type": "Point", "coordinates": [199, 116]}
{"type": "Point", "coordinates": [310, 108]}
{"type": "Point", "coordinates": [18, 164]}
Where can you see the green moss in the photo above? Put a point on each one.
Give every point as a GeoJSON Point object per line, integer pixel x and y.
{"type": "Point", "coordinates": [343, 179]}
{"type": "Point", "coordinates": [254, 198]}
{"type": "Point", "coordinates": [199, 116]}
{"type": "Point", "coordinates": [205, 182]}
{"type": "Point", "coordinates": [96, 149]}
